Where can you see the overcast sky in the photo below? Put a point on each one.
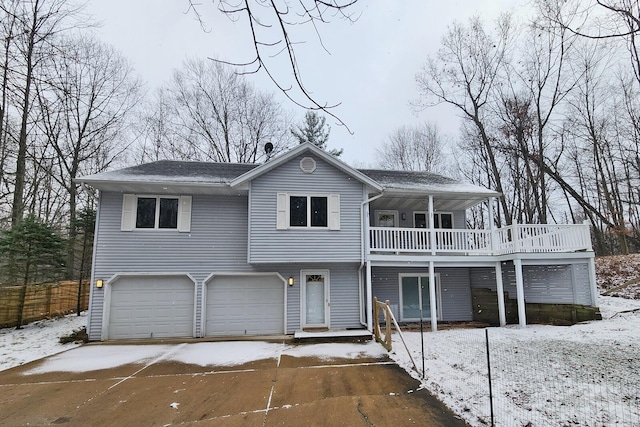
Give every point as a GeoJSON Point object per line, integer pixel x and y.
{"type": "Point", "coordinates": [369, 69]}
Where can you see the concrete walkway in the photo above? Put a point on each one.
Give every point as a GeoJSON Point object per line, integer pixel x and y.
{"type": "Point", "coordinates": [288, 391]}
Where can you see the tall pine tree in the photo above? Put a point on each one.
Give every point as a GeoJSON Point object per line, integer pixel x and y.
{"type": "Point", "coordinates": [31, 251]}
{"type": "Point", "coordinates": [315, 130]}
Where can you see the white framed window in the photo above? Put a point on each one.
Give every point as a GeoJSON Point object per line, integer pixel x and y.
{"type": "Point", "coordinates": [152, 212]}
{"type": "Point", "coordinates": [415, 295]}
{"type": "Point", "coordinates": [386, 218]}
{"type": "Point", "coordinates": [443, 220]}
{"type": "Point", "coordinates": [308, 211]}
{"type": "Point", "coordinates": [440, 219]}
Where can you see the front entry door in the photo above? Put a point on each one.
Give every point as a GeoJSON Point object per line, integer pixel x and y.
{"type": "Point", "coordinates": [315, 299]}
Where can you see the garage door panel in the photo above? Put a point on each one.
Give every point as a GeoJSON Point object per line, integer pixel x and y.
{"type": "Point", "coordinates": [245, 305]}
{"type": "Point", "coordinates": [151, 307]}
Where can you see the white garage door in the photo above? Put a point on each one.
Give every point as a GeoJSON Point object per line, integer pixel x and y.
{"type": "Point", "coordinates": [245, 305]}
{"type": "Point", "coordinates": [151, 307]}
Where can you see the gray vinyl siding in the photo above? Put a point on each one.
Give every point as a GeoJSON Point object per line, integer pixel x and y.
{"type": "Point", "coordinates": [582, 283]}
{"type": "Point", "coordinates": [217, 242]}
{"type": "Point", "coordinates": [454, 287]}
{"type": "Point", "coordinates": [546, 284]}
{"type": "Point", "coordinates": [269, 245]}
{"type": "Point", "coordinates": [343, 293]}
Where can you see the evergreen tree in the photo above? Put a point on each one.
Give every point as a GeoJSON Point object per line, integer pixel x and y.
{"type": "Point", "coordinates": [315, 130]}
{"type": "Point", "coordinates": [31, 251]}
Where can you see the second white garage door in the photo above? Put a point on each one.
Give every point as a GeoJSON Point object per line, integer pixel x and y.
{"type": "Point", "coordinates": [245, 305]}
{"type": "Point", "coordinates": [151, 307]}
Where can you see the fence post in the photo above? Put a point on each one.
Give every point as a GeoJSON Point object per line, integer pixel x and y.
{"type": "Point", "coordinates": [388, 323]}
{"type": "Point", "coordinates": [48, 301]}
{"type": "Point", "coordinates": [486, 334]}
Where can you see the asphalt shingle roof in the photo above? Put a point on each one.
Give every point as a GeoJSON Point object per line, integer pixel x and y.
{"type": "Point", "coordinates": [223, 173]}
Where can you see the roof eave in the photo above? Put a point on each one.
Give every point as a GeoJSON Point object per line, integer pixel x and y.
{"type": "Point", "coordinates": [417, 192]}
{"type": "Point", "coordinates": [97, 183]}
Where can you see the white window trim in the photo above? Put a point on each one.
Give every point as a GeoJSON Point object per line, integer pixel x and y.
{"type": "Point", "coordinates": [283, 221]}
{"type": "Point", "coordinates": [396, 219]}
{"type": "Point", "coordinates": [438, 296]}
{"type": "Point", "coordinates": [130, 210]}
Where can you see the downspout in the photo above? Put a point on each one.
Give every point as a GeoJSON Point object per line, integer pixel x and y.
{"type": "Point", "coordinates": [363, 243]}
{"type": "Point", "coordinates": [90, 333]}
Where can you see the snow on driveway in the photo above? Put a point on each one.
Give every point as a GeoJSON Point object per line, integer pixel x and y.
{"type": "Point", "coordinates": [227, 353]}
{"type": "Point", "coordinates": [586, 374]}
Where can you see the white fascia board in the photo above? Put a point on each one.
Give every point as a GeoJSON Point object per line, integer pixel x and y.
{"type": "Point", "coordinates": [485, 194]}
{"type": "Point", "coordinates": [109, 184]}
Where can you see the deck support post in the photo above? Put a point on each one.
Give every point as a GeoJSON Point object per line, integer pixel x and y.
{"type": "Point", "coordinates": [522, 313]}
{"type": "Point", "coordinates": [592, 282]}
{"type": "Point", "coordinates": [369, 299]}
{"type": "Point", "coordinates": [432, 297]}
{"type": "Point", "coordinates": [500, 289]}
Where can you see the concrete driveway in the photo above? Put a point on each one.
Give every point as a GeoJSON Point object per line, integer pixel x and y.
{"type": "Point", "coordinates": [144, 385]}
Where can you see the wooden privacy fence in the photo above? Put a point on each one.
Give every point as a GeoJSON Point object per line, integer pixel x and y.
{"type": "Point", "coordinates": [41, 301]}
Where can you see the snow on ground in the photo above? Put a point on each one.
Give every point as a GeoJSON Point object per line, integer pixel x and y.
{"type": "Point", "coordinates": [587, 374]}
{"type": "Point", "coordinates": [37, 340]}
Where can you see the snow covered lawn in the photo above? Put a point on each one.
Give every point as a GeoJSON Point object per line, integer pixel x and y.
{"type": "Point", "coordinates": [586, 374]}
{"type": "Point", "coordinates": [37, 340]}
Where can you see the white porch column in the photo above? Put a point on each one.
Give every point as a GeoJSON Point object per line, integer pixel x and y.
{"type": "Point", "coordinates": [432, 297]}
{"type": "Point", "coordinates": [592, 282]}
{"type": "Point", "coordinates": [369, 299]}
{"type": "Point", "coordinates": [492, 227]}
{"type": "Point", "coordinates": [432, 235]}
{"type": "Point", "coordinates": [500, 289]}
{"type": "Point", "coordinates": [522, 314]}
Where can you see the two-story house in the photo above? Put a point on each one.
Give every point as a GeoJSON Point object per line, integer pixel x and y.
{"type": "Point", "coordinates": [302, 243]}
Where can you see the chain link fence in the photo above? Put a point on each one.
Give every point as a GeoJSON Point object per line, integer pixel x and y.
{"type": "Point", "coordinates": [536, 378]}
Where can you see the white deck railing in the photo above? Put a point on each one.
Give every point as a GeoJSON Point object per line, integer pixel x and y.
{"type": "Point", "coordinates": [511, 239]}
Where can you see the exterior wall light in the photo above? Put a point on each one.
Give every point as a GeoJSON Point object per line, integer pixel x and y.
{"type": "Point", "coordinates": [99, 283]}
{"type": "Point", "coordinates": [290, 281]}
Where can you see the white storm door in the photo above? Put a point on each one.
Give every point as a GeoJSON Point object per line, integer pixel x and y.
{"type": "Point", "coordinates": [315, 298]}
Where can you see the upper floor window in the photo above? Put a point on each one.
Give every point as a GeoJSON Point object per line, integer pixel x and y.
{"type": "Point", "coordinates": [156, 212]}
{"type": "Point", "coordinates": [308, 211]}
{"type": "Point", "coordinates": [321, 211]}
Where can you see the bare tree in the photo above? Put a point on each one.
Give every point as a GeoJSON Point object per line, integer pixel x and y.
{"type": "Point", "coordinates": [464, 74]}
{"type": "Point", "coordinates": [415, 148]}
{"type": "Point", "coordinates": [88, 92]}
{"type": "Point", "coordinates": [271, 25]}
{"type": "Point", "coordinates": [158, 136]}
{"type": "Point", "coordinates": [40, 22]}
{"type": "Point", "coordinates": [222, 117]}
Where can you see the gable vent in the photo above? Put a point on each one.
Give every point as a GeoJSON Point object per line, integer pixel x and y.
{"type": "Point", "coordinates": [307, 165]}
